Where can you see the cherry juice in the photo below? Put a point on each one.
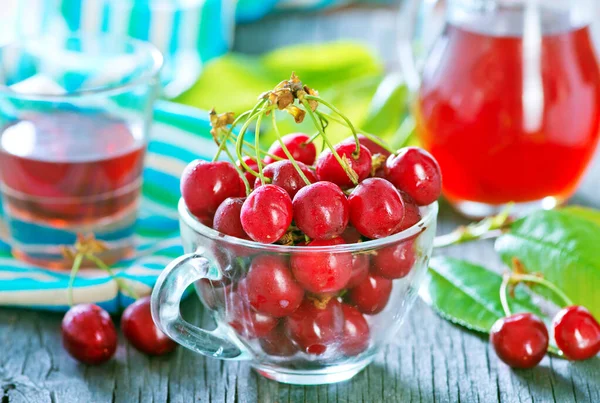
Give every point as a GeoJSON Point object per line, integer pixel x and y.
{"type": "Point", "coordinates": [70, 168]}
{"type": "Point", "coordinates": [505, 122]}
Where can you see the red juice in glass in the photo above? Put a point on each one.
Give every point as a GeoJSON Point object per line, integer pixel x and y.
{"type": "Point", "coordinates": [510, 120]}
{"type": "Point", "coordinates": [75, 171]}
{"type": "Point", "coordinates": [70, 168]}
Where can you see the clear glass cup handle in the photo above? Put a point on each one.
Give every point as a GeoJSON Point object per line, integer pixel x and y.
{"type": "Point", "coordinates": [166, 297]}
{"type": "Point", "coordinates": [421, 22]}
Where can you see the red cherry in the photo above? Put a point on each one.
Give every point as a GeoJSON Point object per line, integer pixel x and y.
{"type": "Point", "coordinates": [322, 272]}
{"type": "Point", "coordinates": [284, 175]}
{"type": "Point", "coordinates": [297, 146]}
{"type": "Point", "coordinates": [520, 340]}
{"type": "Point", "coordinates": [271, 287]}
{"type": "Point", "coordinates": [227, 218]}
{"type": "Point", "coordinates": [266, 214]}
{"type": "Point", "coordinates": [577, 333]}
{"type": "Point", "coordinates": [316, 329]}
{"type": "Point", "coordinates": [356, 331]}
{"type": "Point", "coordinates": [372, 295]}
{"type": "Point", "coordinates": [244, 320]}
{"type": "Point", "coordinates": [373, 147]}
{"type": "Point", "coordinates": [330, 170]}
{"type": "Point", "coordinates": [360, 269]}
{"type": "Point", "coordinates": [277, 343]}
{"type": "Point", "coordinates": [351, 235]}
{"type": "Point", "coordinates": [251, 162]}
{"type": "Point", "coordinates": [412, 214]}
{"type": "Point", "coordinates": [89, 334]}
{"type": "Point", "coordinates": [416, 172]}
{"type": "Point", "coordinates": [321, 210]}
{"type": "Point", "coordinates": [394, 261]}
{"type": "Point", "coordinates": [206, 220]}
{"type": "Point", "coordinates": [139, 328]}
{"type": "Point", "coordinates": [376, 208]}
{"type": "Point", "coordinates": [204, 185]}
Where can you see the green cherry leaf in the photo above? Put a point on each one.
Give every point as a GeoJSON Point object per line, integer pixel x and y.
{"type": "Point", "coordinates": [586, 213]}
{"type": "Point", "coordinates": [562, 245]}
{"type": "Point", "coordinates": [468, 294]}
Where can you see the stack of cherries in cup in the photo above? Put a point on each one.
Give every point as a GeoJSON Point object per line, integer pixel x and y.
{"type": "Point", "coordinates": [352, 192]}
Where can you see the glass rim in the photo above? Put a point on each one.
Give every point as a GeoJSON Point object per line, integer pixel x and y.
{"type": "Point", "coordinates": [148, 75]}
{"type": "Point", "coordinates": [430, 215]}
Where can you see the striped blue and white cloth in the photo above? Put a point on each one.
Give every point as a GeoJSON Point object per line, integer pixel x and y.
{"type": "Point", "coordinates": [187, 32]}
{"type": "Point", "coordinates": [179, 135]}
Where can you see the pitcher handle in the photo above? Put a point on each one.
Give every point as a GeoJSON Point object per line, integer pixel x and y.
{"type": "Point", "coordinates": [166, 297]}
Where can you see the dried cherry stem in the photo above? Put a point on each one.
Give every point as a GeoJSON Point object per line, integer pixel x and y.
{"type": "Point", "coordinates": [120, 282]}
{"type": "Point", "coordinates": [490, 227]}
{"type": "Point", "coordinates": [370, 136]}
{"type": "Point", "coordinates": [349, 171]}
{"type": "Point", "coordinates": [74, 269]}
{"type": "Point", "coordinates": [340, 114]}
{"type": "Point", "coordinates": [286, 151]}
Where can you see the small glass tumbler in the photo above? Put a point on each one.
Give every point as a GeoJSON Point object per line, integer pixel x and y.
{"type": "Point", "coordinates": [265, 313]}
{"type": "Point", "coordinates": [74, 119]}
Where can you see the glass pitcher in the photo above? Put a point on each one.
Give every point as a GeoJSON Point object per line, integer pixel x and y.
{"type": "Point", "coordinates": [507, 97]}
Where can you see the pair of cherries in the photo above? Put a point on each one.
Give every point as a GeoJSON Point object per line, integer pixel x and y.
{"type": "Point", "coordinates": [89, 334]}
{"type": "Point", "coordinates": [521, 340]}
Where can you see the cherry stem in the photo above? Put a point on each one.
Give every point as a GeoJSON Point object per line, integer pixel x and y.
{"type": "Point", "coordinates": [223, 144]}
{"type": "Point", "coordinates": [287, 152]}
{"type": "Point", "coordinates": [504, 295]}
{"type": "Point", "coordinates": [312, 138]}
{"type": "Point", "coordinates": [257, 147]}
{"type": "Point", "coordinates": [253, 149]}
{"type": "Point", "coordinates": [74, 269]}
{"type": "Point", "coordinates": [123, 286]}
{"type": "Point", "coordinates": [340, 114]}
{"type": "Point", "coordinates": [529, 278]}
{"type": "Point", "coordinates": [489, 227]}
{"type": "Point", "coordinates": [240, 171]}
{"type": "Point", "coordinates": [240, 140]}
{"type": "Point", "coordinates": [405, 130]}
{"type": "Point", "coordinates": [349, 171]}
{"type": "Point", "coordinates": [370, 136]}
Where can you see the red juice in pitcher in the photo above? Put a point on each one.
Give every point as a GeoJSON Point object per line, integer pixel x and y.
{"type": "Point", "coordinates": [510, 118]}
{"type": "Point", "coordinates": [70, 168]}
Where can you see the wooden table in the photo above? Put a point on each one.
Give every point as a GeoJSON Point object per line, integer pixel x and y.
{"type": "Point", "coordinates": [430, 360]}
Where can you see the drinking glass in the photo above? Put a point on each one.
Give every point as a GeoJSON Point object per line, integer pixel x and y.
{"type": "Point", "coordinates": [74, 119]}
{"type": "Point", "coordinates": [324, 339]}
{"type": "Point", "coordinates": [508, 97]}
